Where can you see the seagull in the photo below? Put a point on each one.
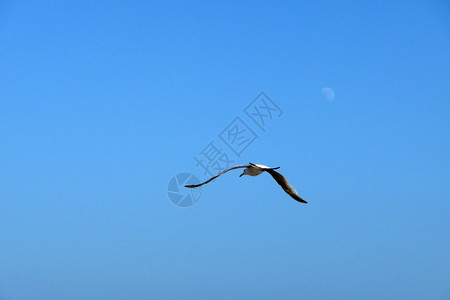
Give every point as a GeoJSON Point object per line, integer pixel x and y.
{"type": "Point", "coordinates": [254, 170]}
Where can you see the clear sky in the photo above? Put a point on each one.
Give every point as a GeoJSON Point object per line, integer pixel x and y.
{"type": "Point", "coordinates": [103, 102]}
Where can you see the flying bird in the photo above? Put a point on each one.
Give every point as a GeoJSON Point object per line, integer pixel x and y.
{"type": "Point", "coordinates": [254, 170]}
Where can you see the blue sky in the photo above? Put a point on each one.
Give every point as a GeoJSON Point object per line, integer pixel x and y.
{"type": "Point", "coordinates": [102, 103]}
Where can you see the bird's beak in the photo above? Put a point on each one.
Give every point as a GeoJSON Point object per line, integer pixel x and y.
{"type": "Point", "coordinates": [241, 175]}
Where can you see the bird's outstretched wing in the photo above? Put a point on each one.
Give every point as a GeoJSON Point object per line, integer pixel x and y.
{"type": "Point", "coordinates": [214, 177]}
{"type": "Point", "coordinates": [285, 185]}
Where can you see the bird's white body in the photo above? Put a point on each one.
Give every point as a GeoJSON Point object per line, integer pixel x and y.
{"type": "Point", "coordinates": [254, 170]}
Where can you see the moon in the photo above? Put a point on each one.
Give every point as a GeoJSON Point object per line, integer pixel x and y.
{"type": "Point", "coordinates": [328, 93]}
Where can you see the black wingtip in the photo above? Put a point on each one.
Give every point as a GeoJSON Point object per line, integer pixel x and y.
{"type": "Point", "coordinates": [299, 199]}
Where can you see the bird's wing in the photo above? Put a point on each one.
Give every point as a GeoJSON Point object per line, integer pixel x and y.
{"type": "Point", "coordinates": [214, 177]}
{"type": "Point", "coordinates": [285, 185]}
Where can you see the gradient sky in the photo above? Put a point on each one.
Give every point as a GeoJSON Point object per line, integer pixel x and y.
{"type": "Point", "coordinates": [103, 102]}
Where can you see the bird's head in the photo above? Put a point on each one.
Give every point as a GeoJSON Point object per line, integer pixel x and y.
{"type": "Point", "coordinates": [244, 173]}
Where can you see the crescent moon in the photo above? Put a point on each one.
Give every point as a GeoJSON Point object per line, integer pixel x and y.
{"type": "Point", "coordinates": [328, 93]}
